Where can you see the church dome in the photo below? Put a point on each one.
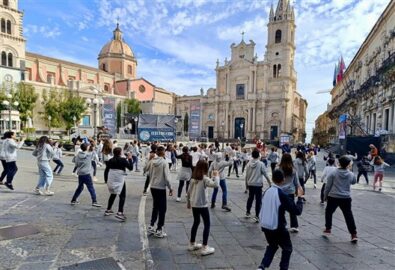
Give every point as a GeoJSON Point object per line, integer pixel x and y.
{"type": "Point", "coordinates": [116, 46]}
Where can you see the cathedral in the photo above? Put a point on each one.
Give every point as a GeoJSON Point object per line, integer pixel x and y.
{"type": "Point", "coordinates": [252, 98]}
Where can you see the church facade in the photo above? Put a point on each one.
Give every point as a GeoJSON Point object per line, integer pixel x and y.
{"type": "Point", "coordinates": [253, 98]}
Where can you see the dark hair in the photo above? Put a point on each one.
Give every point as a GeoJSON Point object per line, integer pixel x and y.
{"type": "Point", "coordinates": [377, 160]}
{"type": "Point", "coordinates": [255, 153]}
{"type": "Point", "coordinates": [185, 149]}
{"type": "Point", "coordinates": [194, 149]}
{"type": "Point", "coordinates": [160, 151]}
{"type": "Point", "coordinates": [126, 146]}
{"type": "Point", "coordinates": [84, 146]}
{"type": "Point", "coordinates": [43, 140]}
{"type": "Point", "coordinates": [107, 147]}
{"type": "Point", "coordinates": [274, 149]}
{"type": "Point", "coordinates": [8, 134]}
{"type": "Point", "coordinates": [286, 164]}
{"type": "Point", "coordinates": [301, 156]}
{"type": "Point", "coordinates": [331, 161]}
{"type": "Point", "coordinates": [154, 148]}
{"type": "Point", "coordinates": [344, 162]}
{"type": "Point", "coordinates": [91, 146]}
{"type": "Point", "coordinates": [117, 151]}
{"type": "Point", "coordinates": [200, 170]}
{"type": "Point", "coordinates": [277, 176]}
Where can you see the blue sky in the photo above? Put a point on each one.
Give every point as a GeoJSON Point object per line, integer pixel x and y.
{"type": "Point", "coordinates": [177, 42]}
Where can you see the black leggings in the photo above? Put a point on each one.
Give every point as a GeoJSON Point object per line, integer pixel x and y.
{"type": "Point", "coordinates": [197, 212]}
{"type": "Point", "coordinates": [273, 166]}
{"type": "Point", "coordinates": [257, 193]}
{"type": "Point", "coordinates": [180, 186]}
{"type": "Point", "coordinates": [146, 184]}
{"type": "Point", "coordinates": [322, 192]}
{"type": "Point", "coordinates": [106, 171]}
{"type": "Point", "coordinates": [122, 197]}
{"type": "Point", "coordinates": [159, 207]}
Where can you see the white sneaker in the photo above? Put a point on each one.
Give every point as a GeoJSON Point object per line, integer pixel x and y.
{"type": "Point", "coordinates": [38, 191]}
{"type": "Point", "coordinates": [207, 250]}
{"type": "Point", "coordinates": [315, 186]}
{"type": "Point", "coordinates": [48, 193]}
{"type": "Point", "coordinates": [178, 199]}
{"type": "Point", "coordinates": [94, 179]}
{"type": "Point", "coordinates": [160, 234]}
{"type": "Point", "coordinates": [195, 246]}
{"type": "Point", "coordinates": [150, 230]}
{"type": "Point", "coordinates": [294, 230]}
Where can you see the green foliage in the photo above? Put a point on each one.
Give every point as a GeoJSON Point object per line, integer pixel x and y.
{"type": "Point", "coordinates": [186, 122]}
{"type": "Point", "coordinates": [27, 97]}
{"type": "Point", "coordinates": [72, 106]}
{"type": "Point", "coordinates": [132, 106]}
{"type": "Point", "coordinates": [52, 107]}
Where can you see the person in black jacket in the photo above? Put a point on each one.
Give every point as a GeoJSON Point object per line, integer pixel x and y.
{"type": "Point", "coordinates": [272, 219]}
{"type": "Point", "coordinates": [185, 173]}
{"type": "Point", "coordinates": [117, 171]}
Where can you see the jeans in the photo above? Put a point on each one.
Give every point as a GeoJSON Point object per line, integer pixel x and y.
{"type": "Point", "coordinates": [136, 162]}
{"type": "Point", "coordinates": [313, 174]}
{"type": "Point", "coordinates": [222, 184]}
{"type": "Point", "coordinates": [85, 180]}
{"type": "Point", "coordinates": [197, 212]}
{"type": "Point", "coordinates": [293, 218]}
{"type": "Point", "coordinates": [11, 171]}
{"type": "Point", "coordinates": [264, 160]}
{"type": "Point", "coordinates": [122, 197]}
{"type": "Point", "coordinates": [5, 170]}
{"type": "Point", "coordinates": [365, 174]}
{"type": "Point", "coordinates": [345, 206]}
{"type": "Point", "coordinates": [94, 167]}
{"type": "Point", "coordinates": [273, 166]}
{"type": "Point", "coordinates": [257, 193]}
{"type": "Point", "coordinates": [159, 207]}
{"type": "Point", "coordinates": [276, 238]}
{"type": "Point", "coordinates": [45, 174]}
{"type": "Point", "coordinates": [180, 186]}
{"type": "Point", "coordinates": [59, 166]}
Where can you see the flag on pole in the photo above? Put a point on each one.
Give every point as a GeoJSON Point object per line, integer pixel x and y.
{"type": "Point", "coordinates": [335, 75]}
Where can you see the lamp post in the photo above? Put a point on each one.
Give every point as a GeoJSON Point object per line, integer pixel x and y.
{"type": "Point", "coordinates": [9, 104]}
{"type": "Point", "coordinates": [223, 134]}
{"type": "Point", "coordinates": [49, 126]}
{"type": "Point", "coordinates": [95, 103]}
{"type": "Point", "coordinates": [135, 121]}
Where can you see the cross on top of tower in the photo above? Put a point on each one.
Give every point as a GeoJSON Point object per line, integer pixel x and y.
{"type": "Point", "coordinates": [242, 35]}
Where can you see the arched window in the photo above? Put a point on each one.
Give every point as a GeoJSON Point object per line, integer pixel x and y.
{"type": "Point", "coordinates": [274, 71]}
{"type": "Point", "coordinates": [278, 70]}
{"type": "Point", "coordinates": [8, 27]}
{"type": "Point", "coordinates": [2, 25]}
{"type": "Point", "coordinates": [130, 69]}
{"type": "Point", "coordinates": [10, 64]}
{"type": "Point", "coordinates": [278, 36]}
{"type": "Point", "coordinates": [3, 59]}
{"type": "Point", "coordinates": [5, 3]}
{"type": "Point", "coordinates": [103, 66]}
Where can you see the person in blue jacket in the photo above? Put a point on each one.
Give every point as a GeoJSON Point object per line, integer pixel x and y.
{"type": "Point", "coordinates": [273, 223]}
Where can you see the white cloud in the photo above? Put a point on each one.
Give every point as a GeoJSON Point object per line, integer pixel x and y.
{"type": "Point", "coordinates": [44, 31]}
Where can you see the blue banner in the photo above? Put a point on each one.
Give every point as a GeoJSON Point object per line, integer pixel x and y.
{"type": "Point", "coordinates": [194, 121]}
{"type": "Point", "coordinates": [156, 134]}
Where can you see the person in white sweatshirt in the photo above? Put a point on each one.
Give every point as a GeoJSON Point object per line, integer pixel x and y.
{"type": "Point", "coordinates": [198, 200]}
{"type": "Point", "coordinates": [159, 173]}
{"type": "Point", "coordinates": [220, 165]}
{"type": "Point", "coordinates": [44, 153]}
{"type": "Point", "coordinates": [10, 154]}
{"type": "Point", "coordinates": [255, 172]}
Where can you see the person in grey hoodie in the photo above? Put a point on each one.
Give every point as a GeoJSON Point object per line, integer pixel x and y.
{"type": "Point", "coordinates": [83, 162]}
{"type": "Point", "coordinates": [197, 200]}
{"type": "Point", "coordinates": [10, 154]}
{"type": "Point", "coordinates": [300, 165]}
{"type": "Point", "coordinates": [290, 185]}
{"type": "Point", "coordinates": [254, 181]}
{"type": "Point", "coordinates": [338, 194]}
{"type": "Point", "coordinates": [220, 165]}
{"type": "Point", "coordinates": [44, 153]}
{"type": "Point", "coordinates": [159, 174]}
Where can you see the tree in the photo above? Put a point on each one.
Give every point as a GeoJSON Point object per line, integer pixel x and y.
{"type": "Point", "coordinates": [132, 106]}
{"type": "Point", "coordinates": [27, 97]}
{"type": "Point", "coordinates": [72, 107]}
{"type": "Point", "coordinates": [52, 107]}
{"type": "Point", "coordinates": [186, 123]}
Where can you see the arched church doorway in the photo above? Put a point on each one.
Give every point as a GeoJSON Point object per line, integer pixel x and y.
{"type": "Point", "coordinates": [239, 128]}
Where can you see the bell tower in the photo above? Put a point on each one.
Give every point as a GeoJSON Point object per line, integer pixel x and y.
{"type": "Point", "coordinates": [281, 41]}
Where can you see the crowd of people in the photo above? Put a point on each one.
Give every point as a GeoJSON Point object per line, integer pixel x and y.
{"type": "Point", "coordinates": [207, 166]}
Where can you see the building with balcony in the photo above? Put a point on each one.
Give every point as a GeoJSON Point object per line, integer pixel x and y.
{"type": "Point", "coordinates": [367, 92]}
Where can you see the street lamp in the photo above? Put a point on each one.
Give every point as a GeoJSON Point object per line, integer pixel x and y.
{"type": "Point", "coordinates": [49, 125]}
{"type": "Point", "coordinates": [9, 104]}
{"type": "Point", "coordinates": [95, 103]}
{"type": "Point", "coordinates": [135, 121]}
{"type": "Point", "coordinates": [223, 134]}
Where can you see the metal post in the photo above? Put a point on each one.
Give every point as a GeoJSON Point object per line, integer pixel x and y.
{"type": "Point", "coordinates": [9, 117]}
{"type": "Point", "coordinates": [94, 121]}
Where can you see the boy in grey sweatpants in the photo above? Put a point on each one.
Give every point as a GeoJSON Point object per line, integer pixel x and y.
{"type": "Point", "coordinates": [338, 194]}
